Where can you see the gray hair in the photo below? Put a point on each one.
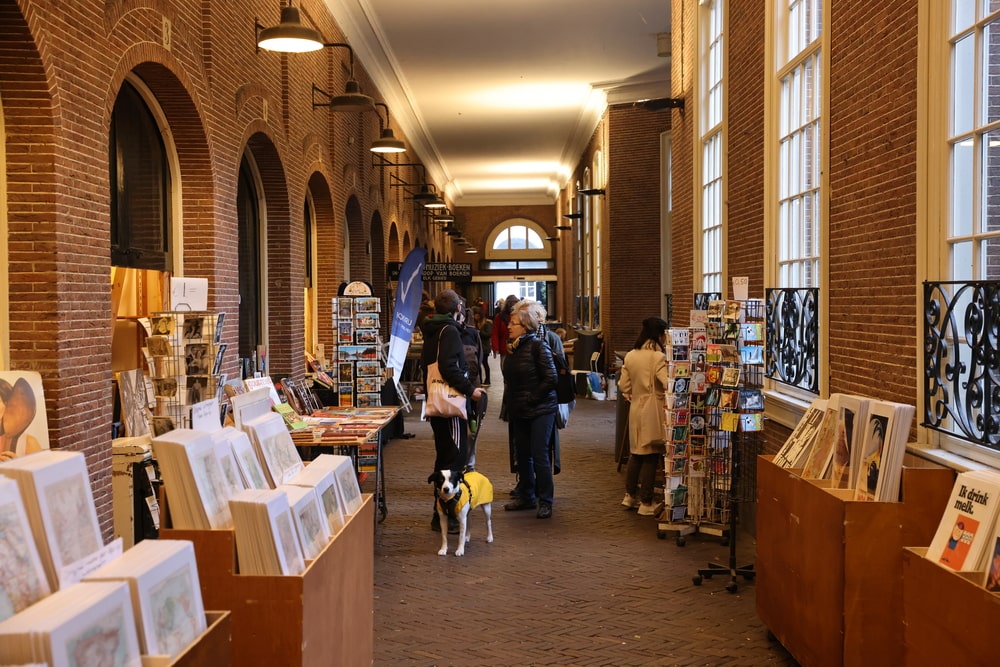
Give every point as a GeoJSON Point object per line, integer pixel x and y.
{"type": "Point", "coordinates": [530, 313]}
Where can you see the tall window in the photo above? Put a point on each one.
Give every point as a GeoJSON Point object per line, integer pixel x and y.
{"type": "Point", "coordinates": [712, 104]}
{"type": "Point", "coordinates": [140, 185]}
{"type": "Point", "coordinates": [962, 177]}
{"type": "Point", "coordinates": [250, 271]}
{"type": "Point", "coordinates": [799, 71]}
{"type": "Point", "coordinates": [973, 136]}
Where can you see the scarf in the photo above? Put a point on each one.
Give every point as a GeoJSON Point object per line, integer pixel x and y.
{"type": "Point", "coordinates": [512, 343]}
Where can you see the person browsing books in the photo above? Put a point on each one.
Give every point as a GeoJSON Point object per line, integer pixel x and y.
{"type": "Point", "coordinates": [643, 380]}
{"type": "Point", "coordinates": [443, 344]}
{"type": "Point", "coordinates": [529, 374]}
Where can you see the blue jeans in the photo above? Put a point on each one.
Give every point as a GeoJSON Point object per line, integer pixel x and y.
{"type": "Point", "coordinates": [534, 466]}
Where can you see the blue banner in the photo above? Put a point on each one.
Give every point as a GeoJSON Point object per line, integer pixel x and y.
{"type": "Point", "coordinates": [409, 291]}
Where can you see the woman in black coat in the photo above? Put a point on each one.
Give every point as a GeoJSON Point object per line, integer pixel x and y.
{"type": "Point", "coordinates": [530, 396]}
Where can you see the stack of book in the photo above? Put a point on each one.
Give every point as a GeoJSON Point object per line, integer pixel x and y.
{"type": "Point", "coordinates": [25, 582]}
{"type": "Point", "coordinates": [246, 457]}
{"type": "Point", "coordinates": [59, 504]}
{"type": "Point", "coordinates": [162, 577]}
{"type": "Point", "coordinates": [275, 448]}
{"type": "Point", "coordinates": [322, 480]}
{"type": "Point", "coordinates": [88, 623]}
{"type": "Point", "coordinates": [192, 470]}
{"type": "Point", "coordinates": [266, 541]}
{"type": "Point", "coordinates": [855, 442]}
{"type": "Point", "coordinates": [311, 523]}
{"type": "Point", "coordinates": [968, 536]}
{"type": "Point", "coordinates": [346, 480]}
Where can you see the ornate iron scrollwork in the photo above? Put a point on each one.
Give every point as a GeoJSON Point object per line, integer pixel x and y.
{"type": "Point", "coordinates": [793, 337]}
{"type": "Point", "coordinates": [961, 360]}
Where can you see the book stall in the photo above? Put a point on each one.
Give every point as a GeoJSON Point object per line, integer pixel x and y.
{"type": "Point", "coordinates": [70, 599]}
{"type": "Point", "coordinates": [285, 546]}
{"type": "Point", "coordinates": [961, 565]}
{"type": "Point", "coordinates": [714, 416]}
{"type": "Point", "coordinates": [836, 507]}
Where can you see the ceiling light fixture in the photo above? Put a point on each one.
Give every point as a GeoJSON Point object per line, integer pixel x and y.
{"type": "Point", "coordinates": [387, 142]}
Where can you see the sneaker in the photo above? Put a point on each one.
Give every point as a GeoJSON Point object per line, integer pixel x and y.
{"type": "Point", "coordinates": [646, 509]}
{"type": "Point", "coordinates": [630, 501]}
{"type": "Point", "coordinates": [544, 510]}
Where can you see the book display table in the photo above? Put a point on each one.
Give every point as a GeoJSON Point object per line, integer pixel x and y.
{"type": "Point", "coordinates": [830, 570]}
{"type": "Point", "coordinates": [355, 432]}
{"type": "Point", "coordinates": [948, 617]}
{"type": "Point", "coordinates": [322, 617]}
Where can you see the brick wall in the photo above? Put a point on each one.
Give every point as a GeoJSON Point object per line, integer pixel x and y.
{"type": "Point", "coordinates": [60, 72]}
{"type": "Point", "coordinates": [631, 266]}
{"type": "Point", "coordinates": [873, 200]}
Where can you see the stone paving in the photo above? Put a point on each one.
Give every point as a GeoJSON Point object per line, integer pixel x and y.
{"type": "Point", "coordinates": [594, 585]}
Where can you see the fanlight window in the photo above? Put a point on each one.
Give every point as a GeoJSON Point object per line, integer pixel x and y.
{"type": "Point", "coordinates": [518, 237]}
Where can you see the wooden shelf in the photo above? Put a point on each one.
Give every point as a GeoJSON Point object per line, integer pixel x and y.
{"type": "Point", "coordinates": [319, 618]}
{"type": "Point", "coordinates": [829, 569]}
{"type": "Point", "coordinates": [948, 617]}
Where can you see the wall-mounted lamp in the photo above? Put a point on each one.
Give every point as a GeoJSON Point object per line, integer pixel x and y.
{"type": "Point", "coordinates": [470, 251]}
{"type": "Point", "coordinates": [564, 227]}
{"type": "Point", "coordinates": [591, 192]}
{"type": "Point", "coordinates": [443, 216]}
{"type": "Point", "coordinates": [573, 216]}
{"type": "Point", "coordinates": [387, 142]}
{"type": "Point", "coordinates": [289, 36]}
{"type": "Point", "coordinates": [552, 239]}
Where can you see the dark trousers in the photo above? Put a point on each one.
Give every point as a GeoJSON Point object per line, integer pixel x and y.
{"type": "Point", "coordinates": [451, 442]}
{"type": "Point", "coordinates": [534, 466]}
{"type": "Point", "coordinates": [640, 476]}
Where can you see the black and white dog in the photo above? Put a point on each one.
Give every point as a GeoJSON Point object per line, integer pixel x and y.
{"type": "Point", "coordinates": [458, 493]}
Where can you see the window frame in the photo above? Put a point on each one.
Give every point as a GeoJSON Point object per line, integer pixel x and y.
{"type": "Point", "coordinates": [787, 404]}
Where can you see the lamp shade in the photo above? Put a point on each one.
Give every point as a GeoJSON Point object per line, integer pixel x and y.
{"type": "Point", "coordinates": [387, 143]}
{"type": "Point", "coordinates": [289, 36]}
{"type": "Point", "coordinates": [352, 99]}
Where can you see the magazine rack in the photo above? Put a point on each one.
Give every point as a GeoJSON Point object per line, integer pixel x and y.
{"type": "Point", "coordinates": [830, 569]}
{"type": "Point", "coordinates": [322, 617]}
{"type": "Point", "coordinates": [961, 632]}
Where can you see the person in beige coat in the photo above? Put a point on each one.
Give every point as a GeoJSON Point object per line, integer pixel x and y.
{"type": "Point", "coordinates": [643, 381]}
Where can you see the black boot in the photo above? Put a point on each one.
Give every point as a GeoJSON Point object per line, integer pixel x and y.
{"type": "Point", "coordinates": [436, 522]}
{"type": "Point", "coordinates": [452, 525]}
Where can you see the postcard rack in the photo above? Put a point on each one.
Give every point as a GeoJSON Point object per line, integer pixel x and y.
{"type": "Point", "coordinates": [183, 355]}
{"type": "Point", "coordinates": [321, 617]}
{"type": "Point", "coordinates": [735, 428]}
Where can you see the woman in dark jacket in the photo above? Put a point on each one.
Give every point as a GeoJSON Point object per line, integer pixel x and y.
{"type": "Point", "coordinates": [530, 396]}
{"type": "Point", "coordinates": [443, 344]}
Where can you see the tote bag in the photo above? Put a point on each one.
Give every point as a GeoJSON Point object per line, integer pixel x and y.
{"type": "Point", "coordinates": [442, 400]}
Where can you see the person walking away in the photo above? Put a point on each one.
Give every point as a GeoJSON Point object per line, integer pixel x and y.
{"type": "Point", "coordinates": [484, 325]}
{"type": "Point", "coordinates": [644, 378]}
{"type": "Point", "coordinates": [500, 333]}
{"type": "Point", "coordinates": [474, 361]}
{"type": "Point", "coordinates": [443, 344]}
{"type": "Point", "coordinates": [530, 398]}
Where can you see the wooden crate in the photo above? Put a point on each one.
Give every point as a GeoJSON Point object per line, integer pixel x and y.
{"type": "Point", "coordinates": [948, 617]}
{"type": "Point", "coordinates": [319, 618]}
{"type": "Point", "coordinates": [829, 569]}
{"type": "Point", "coordinates": [211, 648]}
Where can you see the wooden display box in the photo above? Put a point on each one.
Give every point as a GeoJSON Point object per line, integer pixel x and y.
{"type": "Point", "coordinates": [948, 617]}
{"type": "Point", "coordinates": [211, 648]}
{"type": "Point", "coordinates": [829, 569]}
{"type": "Point", "coordinates": [319, 618]}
